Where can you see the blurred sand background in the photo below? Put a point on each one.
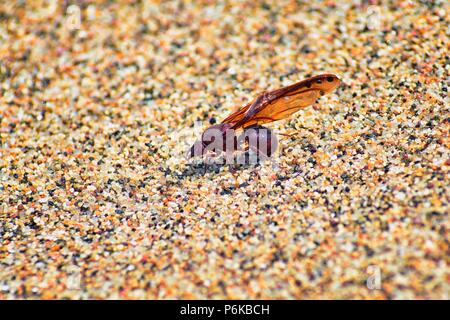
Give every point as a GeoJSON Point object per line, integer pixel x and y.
{"type": "Point", "coordinates": [99, 101]}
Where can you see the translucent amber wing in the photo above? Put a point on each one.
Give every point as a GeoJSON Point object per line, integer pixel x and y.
{"type": "Point", "coordinates": [281, 103]}
{"type": "Point", "coordinates": [281, 108]}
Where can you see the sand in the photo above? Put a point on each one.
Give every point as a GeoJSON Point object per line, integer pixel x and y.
{"type": "Point", "coordinates": [100, 101]}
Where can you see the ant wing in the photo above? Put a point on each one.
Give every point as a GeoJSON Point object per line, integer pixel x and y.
{"type": "Point", "coordinates": [238, 115]}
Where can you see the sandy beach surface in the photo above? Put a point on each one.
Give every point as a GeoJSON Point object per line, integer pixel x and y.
{"type": "Point", "coordinates": [99, 101]}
